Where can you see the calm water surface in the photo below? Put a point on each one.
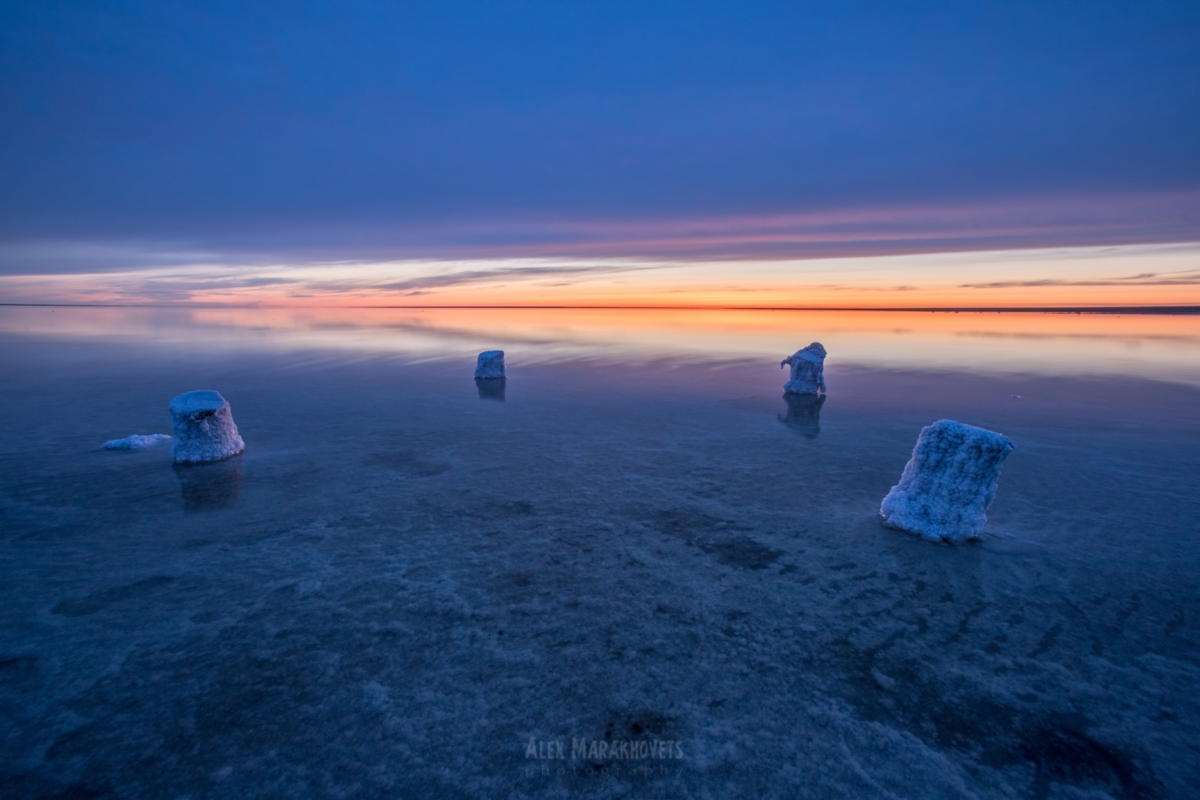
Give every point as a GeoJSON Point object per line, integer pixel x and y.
{"type": "Point", "coordinates": [404, 580]}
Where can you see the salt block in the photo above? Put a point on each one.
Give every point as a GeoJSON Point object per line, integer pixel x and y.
{"type": "Point", "coordinates": [204, 429]}
{"type": "Point", "coordinates": [490, 364]}
{"type": "Point", "coordinates": [808, 370]}
{"type": "Point", "coordinates": [137, 442]}
{"type": "Point", "coordinates": [948, 484]}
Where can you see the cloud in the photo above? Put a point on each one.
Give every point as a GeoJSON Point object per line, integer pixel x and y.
{"type": "Point", "coordinates": [72, 257]}
{"type": "Point", "coordinates": [500, 274]}
{"type": "Point", "coordinates": [362, 281]}
{"type": "Point", "coordinates": [1149, 271]}
{"type": "Point", "coordinates": [842, 287]}
{"type": "Point", "coordinates": [176, 287]}
{"type": "Point", "coordinates": [1182, 278]}
{"type": "Point", "coordinates": [395, 131]}
{"type": "Point", "coordinates": [256, 281]}
{"type": "Point", "coordinates": [1030, 223]}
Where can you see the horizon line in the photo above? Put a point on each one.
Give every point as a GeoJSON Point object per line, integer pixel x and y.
{"type": "Point", "coordinates": [1142, 309]}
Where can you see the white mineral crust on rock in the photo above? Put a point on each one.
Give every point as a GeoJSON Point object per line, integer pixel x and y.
{"type": "Point", "coordinates": [808, 370]}
{"type": "Point", "coordinates": [137, 442]}
{"type": "Point", "coordinates": [204, 429]}
{"type": "Point", "coordinates": [948, 483]}
{"type": "Point", "coordinates": [490, 364]}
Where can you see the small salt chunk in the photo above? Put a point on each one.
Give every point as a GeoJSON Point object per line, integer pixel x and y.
{"type": "Point", "coordinates": [948, 484]}
{"type": "Point", "coordinates": [808, 370]}
{"type": "Point", "coordinates": [137, 442]}
{"type": "Point", "coordinates": [204, 428]}
{"type": "Point", "coordinates": [490, 364]}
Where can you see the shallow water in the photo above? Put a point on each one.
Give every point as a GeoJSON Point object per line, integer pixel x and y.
{"type": "Point", "coordinates": [404, 580]}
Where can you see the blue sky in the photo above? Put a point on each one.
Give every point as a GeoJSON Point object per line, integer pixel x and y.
{"type": "Point", "coordinates": [318, 132]}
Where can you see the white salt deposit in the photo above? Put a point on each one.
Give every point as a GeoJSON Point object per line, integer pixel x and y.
{"type": "Point", "coordinates": [204, 428]}
{"type": "Point", "coordinates": [137, 442]}
{"type": "Point", "coordinates": [490, 364]}
{"type": "Point", "coordinates": [808, 370]}
{"type": "Point", "coordinates": [949, 483]}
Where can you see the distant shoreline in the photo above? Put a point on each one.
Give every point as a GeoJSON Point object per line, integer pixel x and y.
{"type": "Point", "coordinates": [1152, 310]}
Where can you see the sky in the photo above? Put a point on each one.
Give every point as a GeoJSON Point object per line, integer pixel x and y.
{"type": "Point", "coordinates": [641, 153]}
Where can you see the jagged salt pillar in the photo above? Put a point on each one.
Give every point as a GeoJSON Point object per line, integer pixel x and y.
{"type": "Point", "coordinates": [948, 484]}
{"type": "Point", "coordinates": [490, 364]}
{"type": "Point", "coordinates": [808, 370]}
{"type": "Point", "coordinates": [204, 429]}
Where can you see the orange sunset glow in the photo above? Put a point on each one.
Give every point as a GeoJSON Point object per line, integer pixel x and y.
{"type": "Point", "coordinates": [1149, 275]}
{"type": "Point", "coordinates": [1156, 346]}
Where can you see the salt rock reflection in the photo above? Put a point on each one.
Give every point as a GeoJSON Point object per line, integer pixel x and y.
{"type": "Point", "coordinates": [803, 413]}
{"type": "Point", "coordinates": [1046, 344]}
{"type": "Point", "coordinates": [491, 388]}
{"type": "Point", "coordinates": [211, 486]}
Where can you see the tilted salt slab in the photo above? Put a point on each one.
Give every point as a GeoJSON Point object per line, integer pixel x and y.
{"type": "Point", "coordinates": [137, 442]}
{"type": "Point", "coordinates": [949, 483]}
{"type": "Point", "coordinates": [204, 429]}
{"type": "Point", "coordinates": [808, 370]}
{"type": "Point", "coordinates": [490, 364]}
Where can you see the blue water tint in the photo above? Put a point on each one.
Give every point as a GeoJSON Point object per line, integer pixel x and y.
{"type": "Point", "coordinates": [404, 580]}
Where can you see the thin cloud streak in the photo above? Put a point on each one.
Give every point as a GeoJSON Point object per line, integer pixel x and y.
{"type": "Point", "coordinates": [1184, 278]}
{"type": "Point", "coordinates": [494, 275]}
{"type": "Point", "coordinates": [833, 233]}
{"type": "Point", "coordinates": [849, 232]}
{"type": "Point", "coordinates": [1145, 274]}
{"type": "Point", "coordinates": [333, 282]}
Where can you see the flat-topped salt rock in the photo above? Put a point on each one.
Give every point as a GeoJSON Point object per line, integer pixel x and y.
{"type": "Point", "coordinates": [137, 441]}
{"type": "Point", "coordinates": [490, 365]}
{"type": "Point", "coordinates": [808, 370]}
{"type": "Point", "coordinates": [204, 428]}
{"type": "Point", "coordinates": [949, 483]}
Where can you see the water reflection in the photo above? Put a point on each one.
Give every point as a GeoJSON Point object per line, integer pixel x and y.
{"type": "Point", "coordinates": [1162, 347]}
{"type": "Point", "coordinates": [206, 487]}
{"type": "Point", "coordinates": [491, 388]}
{"type": "Point", "coordinates": [803, 413]}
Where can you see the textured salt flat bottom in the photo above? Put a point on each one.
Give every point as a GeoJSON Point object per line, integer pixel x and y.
{"type": "Point", "coordinates": [399, 584]}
